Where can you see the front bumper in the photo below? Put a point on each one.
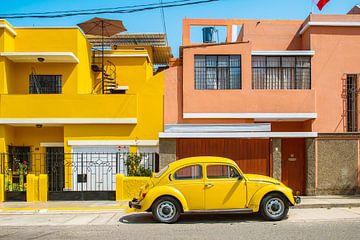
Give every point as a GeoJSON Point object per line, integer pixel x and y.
{"type": "Point", "coordinates": [297, 200]}
{"type": "Point", "coordinates": [134, 204]}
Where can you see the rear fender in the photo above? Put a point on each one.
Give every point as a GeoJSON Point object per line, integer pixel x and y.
{"type": "Point", "coordinates": [160, 191]}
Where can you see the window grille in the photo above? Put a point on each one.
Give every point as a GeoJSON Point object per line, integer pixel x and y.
{"type": "Point", "coordinates": [274, 72]}
{"type": "Point", "coordinates": [218, 72]}
{"type": "Point", "coordinates": [45, 84]}
{"type": "Point", "coordinates": [351, 99]}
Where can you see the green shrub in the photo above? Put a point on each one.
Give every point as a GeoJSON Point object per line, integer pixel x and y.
{"type": "Point", "coordinates": [134, 167]}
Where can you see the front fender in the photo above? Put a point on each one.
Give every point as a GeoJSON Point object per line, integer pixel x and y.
{"type": "Point", "coordinates": [157, 192]}
{"type": "Point", "coordinates": [255, 200]}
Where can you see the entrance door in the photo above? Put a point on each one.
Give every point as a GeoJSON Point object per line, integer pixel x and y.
{"type": "Point", "coordinates": [55, 168]}
{"type": "Point", "coordinates": [293, 164]}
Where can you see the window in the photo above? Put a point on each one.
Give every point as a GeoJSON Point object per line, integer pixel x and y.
{"type": "Point", "coordinates": [273, 72]}
{"type": "Point", "coordinates": [190, 172]}
{"type": "Point", "coordinates": [45, 84]}
{"type": "Point", "coordinates": [221, 171]}
{"type": "Point", "coordinates": [351, 99]}
{"type": "Point", "coordinates": [217, 72]}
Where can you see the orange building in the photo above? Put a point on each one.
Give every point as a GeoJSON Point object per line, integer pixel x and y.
{"type": "Point", "coordinates": [279, 97]}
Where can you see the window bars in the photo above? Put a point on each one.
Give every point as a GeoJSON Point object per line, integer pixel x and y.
{"type": "Point", "coordinates": [45, 84]}
{"type": "Point", "coordinates": [217, 72]}
{"type": "Point", "coordinates": [280, 72]}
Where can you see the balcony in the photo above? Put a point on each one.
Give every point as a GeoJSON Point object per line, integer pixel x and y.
{"type": "Point", "coordinates": [68, 109]}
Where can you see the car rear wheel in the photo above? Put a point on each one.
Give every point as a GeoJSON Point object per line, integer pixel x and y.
{"type": "Point", "coordinates": [166, 210]}
{"type": "Point", "coordinates": [274, 207]}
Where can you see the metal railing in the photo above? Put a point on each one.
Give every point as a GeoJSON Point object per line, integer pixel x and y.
{"type": "Point", "coordinates": [72, 171]}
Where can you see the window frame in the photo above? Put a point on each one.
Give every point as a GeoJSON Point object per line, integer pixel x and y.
{"type": "Point", "coordinates": [281, 68]}
{"type": "Point", "coordinates": [240, 176]}
{"type": "Point", "coordinates": [173, 177]}
{"type": "Point", "coordinates": [217, 67]}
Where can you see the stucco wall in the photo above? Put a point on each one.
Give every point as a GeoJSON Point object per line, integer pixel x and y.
{"type": "Point", "coordinates": [167, 150]}
{"type": "Point", "coordinates": [337, 166]}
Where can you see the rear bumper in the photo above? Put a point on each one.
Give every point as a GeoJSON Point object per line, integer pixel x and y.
{"type": "Point", "coordinates": [297, 200]}
{"type": "Point", "coordinates": [134, 204]}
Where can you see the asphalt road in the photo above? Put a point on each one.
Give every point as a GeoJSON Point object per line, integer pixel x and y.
{"type": "Point", "coordinates": [301, 224]}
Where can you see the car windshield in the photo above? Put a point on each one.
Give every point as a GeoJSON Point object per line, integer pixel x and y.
{"type": "Point", "coordinates": [162, 171]}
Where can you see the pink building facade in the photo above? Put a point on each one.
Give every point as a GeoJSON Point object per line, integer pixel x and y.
{"type": "Point", "coordinates": [278, 97]}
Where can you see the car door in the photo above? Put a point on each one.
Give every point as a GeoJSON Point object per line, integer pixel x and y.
{"type": "Point", "coordinates": [224, 187]}
{"type": "Point", "coordinates": [189, 180]}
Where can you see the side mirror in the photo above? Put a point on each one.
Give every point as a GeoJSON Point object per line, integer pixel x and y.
{"type": "Point", "coordinates": [240, 177]}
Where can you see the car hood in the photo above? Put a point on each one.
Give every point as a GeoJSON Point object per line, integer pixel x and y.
{"type": "Point", "coordinates": [261, 178]}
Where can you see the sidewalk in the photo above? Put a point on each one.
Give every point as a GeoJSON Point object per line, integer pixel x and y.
{"type": "Point", "coordinates": [329, 201]}
{"type": "Point", "coordinates": [335, 201]}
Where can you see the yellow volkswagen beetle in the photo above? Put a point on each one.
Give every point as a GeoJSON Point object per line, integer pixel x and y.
{"type": "Point", "coordinates": [201, 184]}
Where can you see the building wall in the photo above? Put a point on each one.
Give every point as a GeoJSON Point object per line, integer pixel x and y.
{"type": "Point", "coordinates": [337, 166]}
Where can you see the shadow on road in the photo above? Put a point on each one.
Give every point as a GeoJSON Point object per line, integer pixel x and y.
{"type": "Point", "coordinates": [193, 218]}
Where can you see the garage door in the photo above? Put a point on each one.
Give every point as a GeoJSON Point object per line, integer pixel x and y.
{"type": "Point", "coordinates": [252, 155]}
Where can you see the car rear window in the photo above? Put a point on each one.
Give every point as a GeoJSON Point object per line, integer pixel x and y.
{"type": "Point", "coordinates": [189, 172]}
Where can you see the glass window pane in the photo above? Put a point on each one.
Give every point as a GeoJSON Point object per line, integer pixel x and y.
{"type": "Point", "coordinates": [211, 61]}
{"type": "Point", "coordinates": [273, 61]}
{"type": "Point", "coordinates": [211, 78]}
{"type": "Point", "coordinates": [200, 78]}
{"type": "Point", "coordinates": [288, 61]}
{"type": "Point", "coordinates": [235, 61]}
{"type": "Point", "coordinates": [235, 78]}
{"type": "Point", "coordinates": [303, 62]}
{"type": "Point", "coordinates": [190, 172]}
{"type": "Point", "coordinates": [223, 61]}
{"type": "Point", "coordinates": [221, 171]}
{"type": "Point", "coordinates": [199, 61]}
{"type": "Point", "coordinates": [258, 61]}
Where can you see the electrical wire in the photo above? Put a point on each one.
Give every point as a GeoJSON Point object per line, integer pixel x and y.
{"type": "Point", "coordinates": [131, 9]}
{"type": "Point", "coordinates": [94, 9]}
{"type": "Point", "coordinates": [164, 22]}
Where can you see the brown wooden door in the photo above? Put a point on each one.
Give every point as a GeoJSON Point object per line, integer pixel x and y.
{"type": "Point", "coordinates": [252, 155]}
{"type": "Point", "coordinates": [293, 164]}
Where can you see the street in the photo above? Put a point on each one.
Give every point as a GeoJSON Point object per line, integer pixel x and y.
{"type": "Point", "coordinates": [320, 223]}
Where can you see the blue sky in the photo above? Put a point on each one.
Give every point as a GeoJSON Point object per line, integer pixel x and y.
{"type": "Point", "coordinates": [150, 21]}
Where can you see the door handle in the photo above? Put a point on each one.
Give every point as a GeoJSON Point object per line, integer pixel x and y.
{"type": "Point", "coordinates": [208, 185]}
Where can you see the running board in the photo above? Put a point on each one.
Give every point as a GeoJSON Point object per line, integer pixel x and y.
{"type": "Point", "coordinates": [240, 210]}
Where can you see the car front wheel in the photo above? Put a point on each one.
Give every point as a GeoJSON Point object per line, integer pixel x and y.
{"type": "Point", "coordinates": [166, 210]}
{"type": "Point", "coordinates": [274, 207]}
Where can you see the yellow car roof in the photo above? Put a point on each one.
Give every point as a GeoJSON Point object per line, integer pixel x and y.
{"type": "Point", "coordinates": [201, 159]}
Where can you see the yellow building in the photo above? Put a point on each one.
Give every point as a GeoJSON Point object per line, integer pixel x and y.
{"type": "Point", "coordinates": [54, 118]}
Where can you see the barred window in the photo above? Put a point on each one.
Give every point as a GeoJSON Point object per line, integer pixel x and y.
{"type": "Point", "coordinates": [218, 72]}
{"type": "Point", "coordinates": [272, 72]}
{"type": "Point", "coordinates": [45, 84]}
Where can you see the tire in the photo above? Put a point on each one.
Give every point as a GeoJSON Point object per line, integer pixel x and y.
{"type": "Point", "coordinates": [166, 210]}
{"type": "Point", "coordinates": [274, 207]}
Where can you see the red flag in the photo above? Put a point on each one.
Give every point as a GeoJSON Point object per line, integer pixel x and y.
{"type": "Point", "coordinates": [321, 3]}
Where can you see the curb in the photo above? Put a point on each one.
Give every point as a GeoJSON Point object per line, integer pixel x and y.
{"type": "Point", "coordinates": [326, 205]}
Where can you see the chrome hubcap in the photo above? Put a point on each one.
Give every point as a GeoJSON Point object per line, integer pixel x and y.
{"type": "Point", "coordinates": [275, 207]}
{"type": "Point", "coordinates": [166, 210]}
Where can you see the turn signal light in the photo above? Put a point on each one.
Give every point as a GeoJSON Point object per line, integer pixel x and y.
{"type": "Point", "coordinates": [143, 195]}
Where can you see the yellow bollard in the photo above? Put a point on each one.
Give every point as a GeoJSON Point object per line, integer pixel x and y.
{"type": "Point", "coordinates": [43, 187]}
{"type": "Point", "coordinates": [119, 187]}
{"type": "Point", "coordinates": [2, 188]}
{"type": "Point", "coordinates": [32, 191]}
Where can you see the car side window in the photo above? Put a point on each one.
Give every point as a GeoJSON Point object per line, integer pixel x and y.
{"type": "Point", "coordinates": [189, 172]}
{"type": "Point", "coordinates": [221, 171]}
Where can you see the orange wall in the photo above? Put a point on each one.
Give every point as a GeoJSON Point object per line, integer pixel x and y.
{"type": "Point", "coordinates": [336, 54]}
{"type": "Point", "coordinates": [244, 100]}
